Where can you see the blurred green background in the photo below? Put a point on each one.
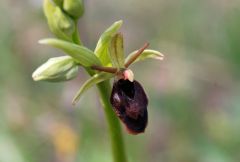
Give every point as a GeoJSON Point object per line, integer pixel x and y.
{"type": "Point", "coordinates": [194, 109]}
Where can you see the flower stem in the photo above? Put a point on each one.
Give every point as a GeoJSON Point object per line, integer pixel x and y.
{"type": "Point", "coordinates": [118, 149]}
{"type": "Point", "coordinates": [75, 36]}
{"type": "Point", "coordinates": [115, 132]}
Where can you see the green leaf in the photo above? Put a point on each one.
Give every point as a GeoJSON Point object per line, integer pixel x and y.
{"type": "Point", "coordinates": [82, 55]}
{"type": "Point", "coordinates": [101, 49]}
{"type": "Point", "coordinates": [148, 53]}
{"type": "Point", "coordinates": [116, 51]}
{"type": "Point", "coordinates": [97, 78]}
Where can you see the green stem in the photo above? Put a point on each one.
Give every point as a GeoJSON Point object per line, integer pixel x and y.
{"type": "Point", "coordinates": [118, 149]}
{"type": "Point", "coordinates": [115, 132]}
{"type": "Point", "coordinates": [75, 36]}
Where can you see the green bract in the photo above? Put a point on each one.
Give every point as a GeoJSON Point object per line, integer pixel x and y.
{"type": "Point", "coordinates": [103, 43]}
{"type": "Point", "coordinates": [56, 69]}
{"type": "Point", "coordinates": [81, 54]}
{"type": "Point", "coordinates": [59, 23]}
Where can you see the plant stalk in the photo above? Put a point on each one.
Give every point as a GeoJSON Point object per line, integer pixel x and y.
{"type": "Point", "coordinates": [114, 128]}
{"type": "Point", "coordinates": [75, 36]}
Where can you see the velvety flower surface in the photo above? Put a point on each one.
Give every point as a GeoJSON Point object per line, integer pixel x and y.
{"type": "Point", "coordinates": [130, 104]}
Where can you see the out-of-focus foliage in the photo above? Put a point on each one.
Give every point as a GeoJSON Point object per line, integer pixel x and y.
{"type": "Point", "coordinates": [194, 93]}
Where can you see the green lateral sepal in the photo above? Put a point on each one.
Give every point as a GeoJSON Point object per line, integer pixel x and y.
{"type": "Point", "coordinates": [97, 78]}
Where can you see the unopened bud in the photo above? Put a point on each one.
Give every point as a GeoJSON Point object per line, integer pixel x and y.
{"type": "Point", "coordinates": [56, 69]}
{"type": "Point", "coordinates": [74, 8]}
{"type": "Point", "coordinates": [59, 23]}
{"type": "Point", "coordinates": [65, 23]}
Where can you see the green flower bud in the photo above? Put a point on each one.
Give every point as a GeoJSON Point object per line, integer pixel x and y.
{"type": "Point", "coordinates": [56, 69]}
{"type": "Point", "coordinates": [74, 8]}
{"type": "Point", "coordinates": [59, 23]}
{"type": "Point", "coordinates": [58, 2]}
{"type": "Point", "coordinates": [65, 23]}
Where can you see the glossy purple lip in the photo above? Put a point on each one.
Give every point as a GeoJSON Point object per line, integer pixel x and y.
{"type": "Point", "coordinates": [130, 102]}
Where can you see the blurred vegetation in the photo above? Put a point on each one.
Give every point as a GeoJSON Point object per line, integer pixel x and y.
{"type": "Point", "coordinates": [194, 93]}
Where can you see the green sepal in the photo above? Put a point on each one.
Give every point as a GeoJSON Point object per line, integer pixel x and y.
{"type": "Point", "coordinates": [101, 49]}
{"type": "Point", "coordinates": [116, 51]}
{"type": "Point", "coordinates": [60, 24]}
{"type": "Point", "coordinates": [95, 79]}
{"type": "Point", "coordinates": [74, 8]}
{"type": "Point", "coordinates": [56, 69]}
{"type": "Point", "coordinates": [148, 53]}
{"type": "Point", "coordinates": [81, 54]}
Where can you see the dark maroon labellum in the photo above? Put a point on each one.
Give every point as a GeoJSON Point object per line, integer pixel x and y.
{"type": "Point", "coordinates": [130, 102]}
